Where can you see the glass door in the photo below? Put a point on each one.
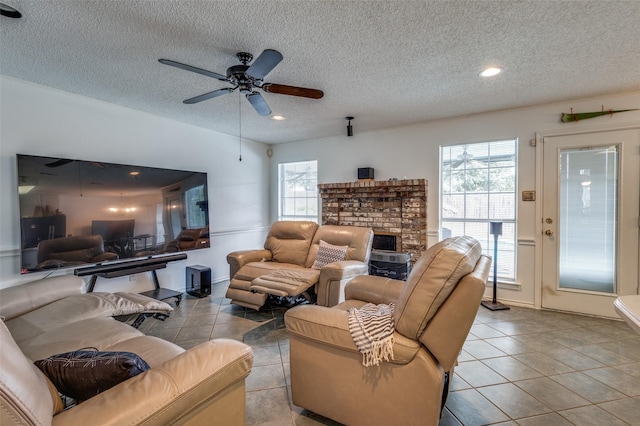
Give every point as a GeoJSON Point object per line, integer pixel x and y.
{"type": "Point", "coordinates": [591, 186]}
{"type": "Point", "coordinates": [588, 215]}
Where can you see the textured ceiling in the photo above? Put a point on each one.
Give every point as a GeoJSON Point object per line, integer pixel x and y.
{"type": "Point", "coordinates": [387, 63]}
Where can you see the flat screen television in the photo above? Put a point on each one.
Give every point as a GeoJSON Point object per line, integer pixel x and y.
{"type": "Point", "coordinates": [92, 211]}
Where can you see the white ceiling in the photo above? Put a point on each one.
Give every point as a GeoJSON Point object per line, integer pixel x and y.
{"type": "Point", "coordinates": [387, 63]}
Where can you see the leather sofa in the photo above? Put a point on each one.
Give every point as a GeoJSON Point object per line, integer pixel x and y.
{"type": "Point", "coordinates": [201, 385]}
{"type": "Point", "coordinates": [72, 251]}
{"type": "Point", "coordinates": [290, 250]}
{"type": "Point", "coordinates": [434, 311]}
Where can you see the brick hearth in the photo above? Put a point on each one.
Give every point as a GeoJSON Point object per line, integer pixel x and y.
{"type": "Point", "coordinates": [394, 207]}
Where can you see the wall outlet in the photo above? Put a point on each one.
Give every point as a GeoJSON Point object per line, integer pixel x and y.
{"type": "Point", "coordinates": [132, 277]}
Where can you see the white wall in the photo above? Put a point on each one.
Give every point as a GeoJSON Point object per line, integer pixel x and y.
{"type": "Point", "coordinates": [42, 121]}
{"type": "Point", "coordinates": [413, 152]}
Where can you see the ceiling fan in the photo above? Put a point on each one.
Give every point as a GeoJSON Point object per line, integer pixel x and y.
{"type": "Point", "coordinates": [247, 78]}
{"type": "Point", "coordinates": [462, 158]}
{"type": "Point", "coordinates": [63, 161]}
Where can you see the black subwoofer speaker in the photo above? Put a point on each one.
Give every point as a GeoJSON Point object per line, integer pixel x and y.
{"type": "Point", "coordinates": [198, 280]}
{"type": "Point", "coordinates": [365, 173]}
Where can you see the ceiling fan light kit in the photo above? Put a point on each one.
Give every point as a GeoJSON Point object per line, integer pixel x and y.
{"type": "Point", "coordinates": [247, 78]}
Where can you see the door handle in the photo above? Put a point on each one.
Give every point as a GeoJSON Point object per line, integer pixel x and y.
{"type": "Point", "coordinates": [548, 232]}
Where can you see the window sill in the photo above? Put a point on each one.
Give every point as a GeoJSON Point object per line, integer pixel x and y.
{"type": "Point", "coordinates": [506, 285]}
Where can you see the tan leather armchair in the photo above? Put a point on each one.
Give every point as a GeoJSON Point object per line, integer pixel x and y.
{"type": "Point", "coordinates": [434, 311]}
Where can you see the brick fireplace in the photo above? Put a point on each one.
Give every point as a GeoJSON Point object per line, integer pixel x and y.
{"type": "Point", "coordinates": [396, 208]}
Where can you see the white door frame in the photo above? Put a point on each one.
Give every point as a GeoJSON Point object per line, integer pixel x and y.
{"type": "Point", "coordinates": [539, 137]}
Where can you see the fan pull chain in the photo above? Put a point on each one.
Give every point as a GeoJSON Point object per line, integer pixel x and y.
{"type": "Point", "coordinates": [240, 123]}
{"type": "Point", "coordinates": [80, 179]}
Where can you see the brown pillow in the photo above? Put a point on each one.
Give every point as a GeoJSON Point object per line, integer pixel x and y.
{"type": "Point", "coordinates": [82, 374]}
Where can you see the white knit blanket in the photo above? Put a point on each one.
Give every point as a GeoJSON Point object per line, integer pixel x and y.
{"type": "Point", "coordinates": [371, 328]}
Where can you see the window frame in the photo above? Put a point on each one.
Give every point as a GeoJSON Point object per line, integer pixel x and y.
{"type": "Point", "coordinates": [308, 199]}
{"type": "Point", "coordinates": [510, 224]}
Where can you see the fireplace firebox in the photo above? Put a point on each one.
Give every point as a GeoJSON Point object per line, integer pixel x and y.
{"type": "Point", "coordinates": [384, 242]}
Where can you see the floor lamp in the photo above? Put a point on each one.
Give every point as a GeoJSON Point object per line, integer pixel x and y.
{"type": "Point", "coordinates": [495, 230]}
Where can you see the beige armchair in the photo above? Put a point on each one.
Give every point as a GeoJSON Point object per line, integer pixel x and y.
{"type": "Point", "coordinates": [434, 311]}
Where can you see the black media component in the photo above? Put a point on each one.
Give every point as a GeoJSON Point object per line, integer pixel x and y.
{"type": "Point", "coordinates": [198, 280]}
{"type": "Point", "coordinates": [390, 264]}
{"type": "Point", "coordinates": [365, 173]}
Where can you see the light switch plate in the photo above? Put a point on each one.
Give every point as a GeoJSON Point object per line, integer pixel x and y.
{"type": "Point", "coordinates": [528, 195]}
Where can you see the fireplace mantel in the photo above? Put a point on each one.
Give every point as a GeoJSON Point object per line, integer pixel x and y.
{"type": "Point", "coordinates": [393, 207]}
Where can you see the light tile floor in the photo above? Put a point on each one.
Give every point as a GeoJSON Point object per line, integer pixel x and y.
{"type": "Point", "coordinates": [517, 367]}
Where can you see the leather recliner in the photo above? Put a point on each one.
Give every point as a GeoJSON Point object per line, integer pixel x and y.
{"type": "Point", "coordinates": [72, 251]}
{"type": "Point", "coordinates": [434, 311]}
{"type": "Point", "coordinates": [291, 247]}
{"type": "Point", "coordinates": [189, 239]}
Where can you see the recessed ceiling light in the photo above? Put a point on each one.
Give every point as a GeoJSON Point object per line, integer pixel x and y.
{"type": "Point", "coordinates": [134, 173]}
{"type": "Point", "coordinates": [491, 71]}
{"type": "Point", "coordinates": [9, 12]}
{"type": "Point", "coordinates": [278, 117]}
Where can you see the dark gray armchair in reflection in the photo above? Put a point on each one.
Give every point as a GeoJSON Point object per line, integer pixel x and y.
{"type": "Point", "coordinates": [71, 251]}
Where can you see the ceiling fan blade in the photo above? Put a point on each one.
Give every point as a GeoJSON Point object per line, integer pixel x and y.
{"type": "Point", "coordinates": [193, 69]}
{"type": "Point", "coordinates": [292, 90]}
{"type": "Point", "coordinates": [456, 164]}
{"type": "Point", "coordinates": [209, 95]}
{"type": "Point", "coordinates": [58, 163]}
{"type": "Point", "coordinates": [264, 64]}
{"type": "Point", "coordinates": [258, 103]}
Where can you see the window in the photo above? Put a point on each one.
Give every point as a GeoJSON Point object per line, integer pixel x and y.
{"type": "Point", "coordinates": [478, 186]}
{"type": "Point", "coordinates": [194, 200]}
{"type": "Point", "coordinates": [298, 191]}
{"type": "Point", "coordinates": [159, 224]}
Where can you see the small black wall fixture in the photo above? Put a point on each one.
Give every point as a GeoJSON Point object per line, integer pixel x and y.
{"type": "Point", "coordinates": [495, 230]}
{"type": "Point", "coordinates": [349, 126]}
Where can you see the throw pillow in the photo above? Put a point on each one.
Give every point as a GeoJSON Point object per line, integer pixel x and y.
{"type": "Point", "coordinates": [328, 253]}
{"type": "Point", "coordinates": [82, 374]}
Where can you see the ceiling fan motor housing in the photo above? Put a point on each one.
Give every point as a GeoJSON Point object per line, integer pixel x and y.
{"type": "Point", "coordinates": [237, 76]}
